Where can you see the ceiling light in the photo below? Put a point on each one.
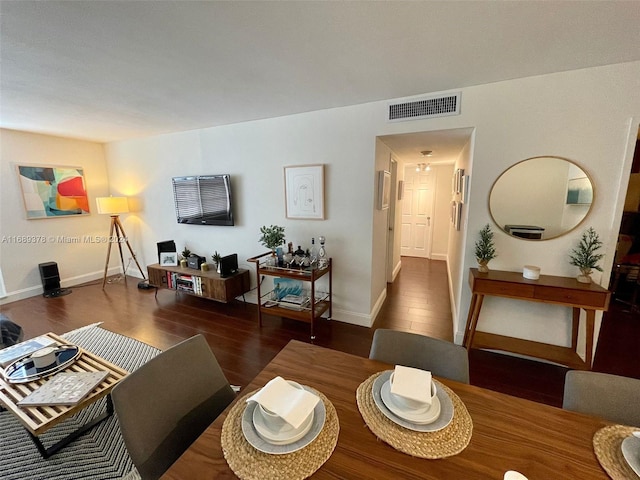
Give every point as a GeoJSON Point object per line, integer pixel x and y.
{"type": "Point", "coordinates": [423, 167]}
{"type": "Point", "coordinates": [426, 153]}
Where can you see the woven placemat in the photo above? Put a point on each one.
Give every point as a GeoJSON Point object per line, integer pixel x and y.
{"type": "Point", "coordinates": [251, 464]}
{"type": "Point", "coordinates": [607, 444]}
{"type": "Point", "coordinates": [446, 442]}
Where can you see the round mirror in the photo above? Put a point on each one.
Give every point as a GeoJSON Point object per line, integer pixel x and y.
{"type": "Point", "coordinates": [541, 198]}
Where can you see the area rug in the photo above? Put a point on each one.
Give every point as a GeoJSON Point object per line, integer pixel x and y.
{"type": "Point", "coordinates": [99, 454]}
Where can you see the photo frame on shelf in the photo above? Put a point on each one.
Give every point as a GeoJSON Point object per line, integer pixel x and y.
{"type": "Point", "coordinates": [169, 259]}
{"type": "Point", "coordinates": [50, 191]}
{"type": "Point", "coordinates": [304, 192]}
{"type": "Point", "coordinates": [384, 189]}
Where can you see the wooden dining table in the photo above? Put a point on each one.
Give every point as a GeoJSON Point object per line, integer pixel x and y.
{"type": "Point", "coordinates": [509, 433]}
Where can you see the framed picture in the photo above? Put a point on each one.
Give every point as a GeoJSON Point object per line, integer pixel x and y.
{"type": "Point", "coordinates": [53, 191]}
{"type": "Point", "coordinates": [384, 189]}
{"type": "Point", "coordinates": [304, 192]}
{"type": "Point", "coordinates": [169, 259]}
{"type": "Point", "coordinates": [464, 188]}
{"type": "Point", "coordinates": [457, 180]}
{"type": "Point", "coordinates": [400, 190]}
{"type": "Point", "coordinates": [456, 214]}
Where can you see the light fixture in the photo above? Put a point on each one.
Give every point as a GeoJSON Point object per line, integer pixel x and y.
{"type": "Point", "coordinates": [423, 167]}
{"type": "Point", "coordinates": [114, 206]}
{"type": "Point", "coordinates": [426, 153]}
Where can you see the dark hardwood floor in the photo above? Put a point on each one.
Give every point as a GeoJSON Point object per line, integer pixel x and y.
{"type": "Point", "coordinates": [417, 301]}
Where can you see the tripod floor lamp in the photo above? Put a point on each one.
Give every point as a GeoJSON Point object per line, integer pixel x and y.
{"type": "Point", "coordinates": [114, 206]}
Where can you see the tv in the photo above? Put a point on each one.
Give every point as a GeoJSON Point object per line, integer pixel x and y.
{"type": "Point", "coordinates": [203, 200]}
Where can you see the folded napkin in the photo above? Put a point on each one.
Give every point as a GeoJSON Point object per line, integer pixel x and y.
{"type": "Point", "coordinates": [293, 404]}
{"type": "Point", "coordinates": [412, 383]}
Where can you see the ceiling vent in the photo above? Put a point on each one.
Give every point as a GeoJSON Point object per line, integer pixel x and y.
{"type": "Point", "coordinates": [430, 107]}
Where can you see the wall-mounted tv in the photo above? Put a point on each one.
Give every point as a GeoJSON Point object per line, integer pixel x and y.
{"type": "Point", "coordinates": [203, 200]}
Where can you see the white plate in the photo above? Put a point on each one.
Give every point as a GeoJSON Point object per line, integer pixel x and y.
{"type": "Point", "coordinates": [421, 417]}
{"type": "Point", "coordinates": [446, 407]}
{"type": "Point", "coordinates": [255, 440]}
{"type": "Point", "coordinates": [631, 453]}
{"type": "Point", "coordinates": [284, 435]}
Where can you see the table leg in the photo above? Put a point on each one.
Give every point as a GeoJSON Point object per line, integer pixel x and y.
{"type": "Point", "coordinates": [467, 327]}
{"type": "Point", "coordinates": [574, 328]}
{"type": "Point", "coordinates": [591, 316]}
{"type": "Point", "coordinates": [477, 305]}
{"type": "Point", "coordinates": [47, 452]}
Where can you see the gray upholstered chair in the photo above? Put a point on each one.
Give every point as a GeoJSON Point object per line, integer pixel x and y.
{"type": "Point", "coordinates": [610, 397]}
{"type": "Point", "coordinates": [164, 405]}
{"type": "Point", "coordinates": [442, 358]}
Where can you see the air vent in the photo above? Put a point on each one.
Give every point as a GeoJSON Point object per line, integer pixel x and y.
{"type": "Point", "coordinates": [426, 108]}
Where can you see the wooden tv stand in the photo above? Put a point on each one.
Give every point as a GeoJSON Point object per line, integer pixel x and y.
{"type": "Point", "coordinates": [206, 284]}
{"type": "Point", "coordinates": [548, 289]}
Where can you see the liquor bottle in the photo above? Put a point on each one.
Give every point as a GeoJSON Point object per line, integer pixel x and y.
{"type": "Point", "coordinates": [323, 260]}
{"type": "Point", "coordinates": [313, 253]}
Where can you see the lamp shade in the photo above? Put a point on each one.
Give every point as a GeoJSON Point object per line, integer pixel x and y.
{"type": "Point", "coordinates": [112, 205]}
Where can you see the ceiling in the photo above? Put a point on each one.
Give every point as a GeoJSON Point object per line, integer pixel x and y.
{"type": "Point", "coordinates": [112, 70]}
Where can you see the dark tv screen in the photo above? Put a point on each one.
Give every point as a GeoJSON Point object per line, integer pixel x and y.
{"type": "Point", "coordinates": [203, 200]}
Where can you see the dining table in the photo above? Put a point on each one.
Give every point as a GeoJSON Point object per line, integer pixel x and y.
{"type": "Point", "coordinates": [505, 432]}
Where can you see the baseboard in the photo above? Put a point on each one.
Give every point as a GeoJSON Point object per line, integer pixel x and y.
{"type": "Point", "coordinates": [439, 256]}
{"type": "Point", "coordinates": [36, 290]}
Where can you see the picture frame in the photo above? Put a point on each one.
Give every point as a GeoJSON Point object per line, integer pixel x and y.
{"type": "Point", "coordinates": [457, 182]}
{"type": "Point", "coordinates": [384, 189]}
{"type": "Point", "coordinates": [304, 192]}
{"type": "Point", "coordinates": [464, 189]}
{"type": "Point", "coordinates": [400, 189]}
{"type": "Point", "coordinates": [53, 191]}
{"type": "Point", "coordinates": [169, 259]}
{"type": "Point", "coordinates": [456, 214]}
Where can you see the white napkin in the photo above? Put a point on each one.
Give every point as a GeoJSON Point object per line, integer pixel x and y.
{"type": "Point", "coordinates": [294, 405]}
{"type": "Point", "coordinates": [412, 383]}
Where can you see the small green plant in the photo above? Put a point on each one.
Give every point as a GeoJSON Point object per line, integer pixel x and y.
{"type": "Point", "coordinates": [186, 253]}
{"type": "Point", "coordinates": [485, 249]}
{"type": "Point", "coordinates": [272, 237]}
{"type": "Point", "coordinates": [584, 256]}
{"type": "Point", "coordinates": [216, 257]}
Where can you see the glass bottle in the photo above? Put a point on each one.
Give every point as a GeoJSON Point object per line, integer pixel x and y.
{"type": "Point", "coordinates": [323, 260]}
{"type": "Point", "coordinates": [313, 253]}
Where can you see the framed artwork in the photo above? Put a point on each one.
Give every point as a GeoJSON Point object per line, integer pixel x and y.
{"type": "Point", "coordinates": [304, 192]}
{"type": "Point", "coordinates": [384, 189]}
{"type": "Point", "coordinates": [464, 189]}
{"type": "Point", "coordinates": [53, 191]}
{"type": "Point", "coordinates": [169, 259]}
{"type": "Point", "coordinates": [456, 214]}
{"type": "Point", "coordinates": [457, 180]}
{"type": "Point", "coordinates": [400, 189]}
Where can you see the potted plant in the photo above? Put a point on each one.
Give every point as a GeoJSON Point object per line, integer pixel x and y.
{"type": "Point", "coordinates": [272, 237]}
{"type": "Point", "coordinates": [216, 260]}
{"type": "Point", "coordinates": [584, 256]}
{"type": "Point", "coordinates": [186, 253]}
{"type": "Point", "coordinates": [485, 249]}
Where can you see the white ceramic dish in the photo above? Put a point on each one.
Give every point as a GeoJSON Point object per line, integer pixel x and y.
{"type": "Point", "coordinates": [284, 434]}
{"type": "Point", "coordinates": [631, 453]}
{"type": "Point", "coordinates": [446, 407]}
{"type": "Point", "coordinates": [421, 416]}
{"type": "Point", "coordinates": [513, 475]}
{"type": "Point", "coordinates": [259, 443]}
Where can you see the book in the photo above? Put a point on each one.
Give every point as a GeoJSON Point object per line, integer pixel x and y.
{"type": "Point", "coordinates": [19, 350]}
{"type": "Point", "coordinates": [65, 388]}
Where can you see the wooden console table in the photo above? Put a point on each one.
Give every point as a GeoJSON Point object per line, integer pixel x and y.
{"type": "Point", "coordinates": [548, 289]}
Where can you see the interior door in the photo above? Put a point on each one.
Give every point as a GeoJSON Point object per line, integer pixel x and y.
{"type": "Point", "coordinates": [417, 213]}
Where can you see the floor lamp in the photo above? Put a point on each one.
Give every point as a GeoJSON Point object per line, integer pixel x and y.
{"type": "Point", "coordinates": [114, 206]}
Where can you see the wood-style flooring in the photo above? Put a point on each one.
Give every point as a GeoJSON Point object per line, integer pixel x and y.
{"type": "Point", "coordinates": [417, 301]}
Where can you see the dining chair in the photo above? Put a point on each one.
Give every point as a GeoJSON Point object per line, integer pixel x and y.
{"type": "Point", "coordinates": [610, 397]}
{"type": "Point", "coordinates": [442, 358]}
{"type": "Point", "coordinates": [165, 405]}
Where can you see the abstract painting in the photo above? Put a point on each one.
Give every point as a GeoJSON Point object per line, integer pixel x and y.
{"type": "Point", "coordinates": [304, 192]}
{"type": "Point", "coordinates": [53, 191]}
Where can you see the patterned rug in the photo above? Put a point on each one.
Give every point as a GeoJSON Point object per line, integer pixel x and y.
{"type": "Point", "coordinates": [100, 453]}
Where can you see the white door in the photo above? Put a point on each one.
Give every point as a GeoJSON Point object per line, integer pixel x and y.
{"type": "Point", "coordinates": [417, 212]}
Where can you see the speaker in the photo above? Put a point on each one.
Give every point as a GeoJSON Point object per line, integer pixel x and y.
{"type": "Point", "coordinates": [229, 265]}
{"type": "Point", "coordinates": [51, 280]}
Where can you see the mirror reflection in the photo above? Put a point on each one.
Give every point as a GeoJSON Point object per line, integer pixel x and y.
{"type": "Point", "coordinates": [541, 198]}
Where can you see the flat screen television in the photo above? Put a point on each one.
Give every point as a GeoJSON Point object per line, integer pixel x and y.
{"type": "Point", "coordinates": [203, 200]}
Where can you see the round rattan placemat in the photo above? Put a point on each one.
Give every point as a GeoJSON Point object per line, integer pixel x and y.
{"type": "Point", "coordinates": [607, 444]}
{"type": "Point", "coordinates": [251, 464]}
{"type": "Point", "coordinates": [446, 442]}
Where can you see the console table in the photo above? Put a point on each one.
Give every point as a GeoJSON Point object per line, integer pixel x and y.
{"type": "Point", "coordinates": [548, 289]}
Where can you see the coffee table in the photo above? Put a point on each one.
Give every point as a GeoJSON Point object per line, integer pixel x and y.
{"type": "Point", "coordinates": [37, 420]}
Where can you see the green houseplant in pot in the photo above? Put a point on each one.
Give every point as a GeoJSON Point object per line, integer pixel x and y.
{"type": "Point", "coordinates": [186, 253]}
{"type": "Point", "coordinates": [485, 249]}
{"type": "Point", "coordinates": [216, 260]}
{"type": "Point", "coordinates": [584, 256]}
{"type": "Point", "coordinates": [272, 237]}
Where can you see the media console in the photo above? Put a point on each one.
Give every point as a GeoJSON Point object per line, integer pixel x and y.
{"type": "Point", "coordinates": [207, 284]}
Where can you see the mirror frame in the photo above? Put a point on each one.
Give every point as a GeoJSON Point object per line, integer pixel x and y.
{"type": "Point", "coordinates": [593, 189]}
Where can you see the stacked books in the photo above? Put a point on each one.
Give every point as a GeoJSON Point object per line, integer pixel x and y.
{"type": "Point", "coordinates": [294, 302]}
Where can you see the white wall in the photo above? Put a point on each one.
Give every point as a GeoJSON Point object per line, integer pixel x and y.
{"type": "Point", "coordinates": [77, 262]}
{"type": "Point", "coordinates": [582, 115]}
